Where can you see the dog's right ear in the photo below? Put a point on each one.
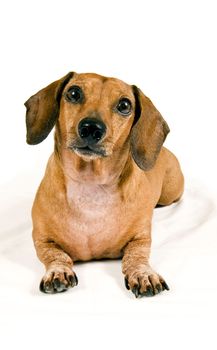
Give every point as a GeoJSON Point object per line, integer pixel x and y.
{"type": "Point", "coordinates": [43, 110]}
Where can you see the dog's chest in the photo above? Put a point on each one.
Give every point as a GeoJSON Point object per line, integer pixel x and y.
{"type": "Point", "coordinates": [95, 220]}
{"type": "Point", "coordinates": [90, 201]}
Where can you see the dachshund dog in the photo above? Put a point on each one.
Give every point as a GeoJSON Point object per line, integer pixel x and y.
{"type": "Point", "coordinates": [106, 175]}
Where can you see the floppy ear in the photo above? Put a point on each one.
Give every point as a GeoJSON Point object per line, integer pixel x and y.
{"type": "Point", "coordinates": [148, 132]}
{"type": "Point", "coordinates": [43, 110]}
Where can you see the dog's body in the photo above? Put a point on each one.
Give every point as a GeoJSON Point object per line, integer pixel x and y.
{"type": "Point", "coordinates": [97, 201]}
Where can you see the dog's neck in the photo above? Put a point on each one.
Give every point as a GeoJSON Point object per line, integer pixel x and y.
{"type": "Point", "coordinates": [108, 171]}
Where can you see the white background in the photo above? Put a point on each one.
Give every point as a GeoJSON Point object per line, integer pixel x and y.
{"type": "Point", "coordinates": [168, 49]}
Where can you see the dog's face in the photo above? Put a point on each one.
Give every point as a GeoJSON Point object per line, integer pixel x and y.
{"type": "Point", "coordinates": [96, 116]}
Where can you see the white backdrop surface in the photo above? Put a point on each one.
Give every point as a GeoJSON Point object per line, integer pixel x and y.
{"type": "Point", "coordinates": [168, 49]}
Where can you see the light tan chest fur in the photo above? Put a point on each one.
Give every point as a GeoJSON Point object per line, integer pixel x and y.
{"type": "Point", "coordinates": [97, 224]}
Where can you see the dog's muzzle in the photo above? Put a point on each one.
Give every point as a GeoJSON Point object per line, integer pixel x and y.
{"type": "Point", "coordinates": [90, 132]}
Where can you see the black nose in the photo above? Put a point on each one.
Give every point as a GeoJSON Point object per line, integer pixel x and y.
{"type": "Point", "coordinates": [92, 130]}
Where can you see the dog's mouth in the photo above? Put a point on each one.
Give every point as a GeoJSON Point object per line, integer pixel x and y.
{"type": "Point", "coordinates": [89, 151]}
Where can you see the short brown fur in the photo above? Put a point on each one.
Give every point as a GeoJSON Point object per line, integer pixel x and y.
{"type": "Point", "coordinates": [92, 207]}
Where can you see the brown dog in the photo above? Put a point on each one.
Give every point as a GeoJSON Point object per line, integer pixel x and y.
{"type": "Point", "coordinates": [103, 181]}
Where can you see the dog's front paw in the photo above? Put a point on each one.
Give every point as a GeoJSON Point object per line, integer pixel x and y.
{"type": "Point", "coordinates": [58, 279]}
{"type": "Point", "coordinates": [145, 282]}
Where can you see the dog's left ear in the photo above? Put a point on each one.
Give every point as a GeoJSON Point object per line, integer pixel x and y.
{"type": "Point", "coordinates": [148, 132]}
{"type": "Point", "coordinates": [43, 110]}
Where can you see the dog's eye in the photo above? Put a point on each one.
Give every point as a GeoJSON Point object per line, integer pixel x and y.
{"type": "Point", "coordinates": [124, 106]}
{"type": "Point", "coordinates": [74, 94]}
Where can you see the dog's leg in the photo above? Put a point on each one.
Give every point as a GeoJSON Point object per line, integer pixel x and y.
{"type": "Point", "coordinates": [59, 275]}
{"type": "Point", "coordinates": [139, 276]}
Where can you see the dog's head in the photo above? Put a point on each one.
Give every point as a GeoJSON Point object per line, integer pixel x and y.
{"type": "Point", "coordinates": [95, 116]}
